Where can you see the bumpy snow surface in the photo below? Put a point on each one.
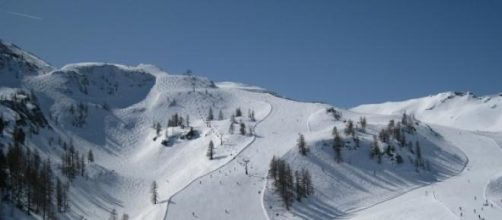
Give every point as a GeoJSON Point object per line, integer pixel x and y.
{"type": "Point", "coordinates": [459, 135]}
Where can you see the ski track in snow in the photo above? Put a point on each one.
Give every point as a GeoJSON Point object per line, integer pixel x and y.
{"type": "Point", "coordinates": [454, 193]}
{"type": "Point", "coordinates": [220, 167]}
{"type": "Point", "coordinates": [259, 164]}
{"type": "Point", "coordinates": [116, 133]}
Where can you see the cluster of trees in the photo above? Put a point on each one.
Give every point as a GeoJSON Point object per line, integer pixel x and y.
{"type": "Point", "coordinates": [114, 215]}
{"type": "Point", "coordinates": [27, 180]}
{"type": "Point", "coordinates": [175, 121]}
{"type": "Point", "coordinates": [339, 143]}
{"type": "Point", "coordinates": [408, 123]}
{"type": "Point", "coordinates": [79, 112]}
{"type": "Point", "coordinates": [337, 115]}
{"type": "Point", "coordinates": [73, 162]}
{"type": "Point", "coordinates": [210, 115]}
{"type": "Point", "coordinates": [251, 115]}
{"type": "Point", "coordinates": [290, 185]}
{"type": "Point", "coordinates": [396, 132]}
{"type": "Point", "coordinates": [242, 125]}
{"type": "Point", "coordinates": [25, 104]}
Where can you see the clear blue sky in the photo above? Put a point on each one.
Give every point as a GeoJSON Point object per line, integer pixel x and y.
{"type": "Point", "coordinates": [344, 52]}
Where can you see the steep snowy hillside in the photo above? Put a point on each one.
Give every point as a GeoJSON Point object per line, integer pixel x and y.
{"type": "Point", "coordinates": [142, 125]}
{"type": "Point", "coordinates": [105, 141]}
{"type": "Point", "coordinates": [359, 179]}
{"type": "Point", "coordinates": [473, 194]}
{"type": "Point", "coordinates": [15, 64]}
{"type": "Point", "coordinates": [454, 109]}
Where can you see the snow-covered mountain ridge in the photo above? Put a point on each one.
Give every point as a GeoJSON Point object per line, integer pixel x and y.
{"type": "Point", "coordinates": [454, 109]}
{"type": "Point", "coordinates": [144, 125]}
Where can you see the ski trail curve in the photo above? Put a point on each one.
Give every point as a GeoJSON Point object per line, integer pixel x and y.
{"type": "Point", "coordinates": [223, 165]}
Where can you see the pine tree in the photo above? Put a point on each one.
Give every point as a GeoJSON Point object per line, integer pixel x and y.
{"type": "Point", "coordinates": [251, 115]}
{"type": "Point", "coordinates": [59, 195]}
{"type": "Point", "coordinates": [384, 136]}
{"type": "Point", "coordinates": [210, 116]}
{"type": "Point", "coordinates": [153, 190]}
{"type": "Point", "coordinates": [334, 132]}
{"type": "Point", "coordinates": [2, 125]}
{"type": "Point", "coordinates": [231, 128]}
{"type": "Point", "coordinates": [307, 182]}
{"type": "Point", "coordinates": [82, 165]}
{"type": "Point", "coordinates": [242, 128]}
{"type": "Point", "coordinates": [273, 170]}
{"type": "Point", "coordinates": [404, 119]}
{"type": "Point", "coordinates": [238, 112]}
{"type": "Point", "coordinates": [302, 145]}
{"type": "Point", "coordinates": [363, 123]}
{"type": "Point", "coordinates": [125, 216]}
{"type": "Point", "coordinates": [90, 156]}
{"type": "Point", "coordinates": [18, 135]}
{"type": "Point", "coordinates": [47, 188]}
{"type": "Point", "coordinates": [299, 187]}
{"type": "Point", "coordinates": [286, 186]}
{"type": "Point", "coordinates": [375, 150]}
{"type": "Point", "coordinates": [349, 128]}
{"type": "Point", "coordinates": [337, 147]}
{"type": "Point", "coordinates": [399, 159]}
{"type": "Point", "coordinates": [418, 153]}
{"type": "Point", "coordinates": [3, 173]}
{"type": "Point", "coordinates": [210, 150]}
{"type": "Point", "coordinates": [220, 115]}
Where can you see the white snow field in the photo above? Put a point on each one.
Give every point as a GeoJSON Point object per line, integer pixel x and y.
{"type": "Point", "coordinates": [112, 110]}
{"type": "Point", "coordinates": [454, 109]}
{"type": "Point", "coordinates": [462, 196]}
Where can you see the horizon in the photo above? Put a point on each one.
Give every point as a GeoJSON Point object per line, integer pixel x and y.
{"type": "Point", "coordinates": [342, 53]}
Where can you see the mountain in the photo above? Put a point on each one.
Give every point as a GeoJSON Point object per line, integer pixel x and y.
{"type": "Point", "coordinates": [454, 109]}
{"type": "Point", "coordinates": [15, 64]}
{"type": "Point", "coordinates": [143, 125]}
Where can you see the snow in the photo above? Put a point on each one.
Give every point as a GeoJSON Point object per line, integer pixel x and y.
{"type": "Point", "coordinates": [462, 196]}
{"type": "Point", "coordinates": [460, 110]}
{"type": "Point", "coordinates": [125, 101]}
{"type": "Point", "coordinates": [16, 64]}
{"type": "Point", "coordinates": [343, 188]}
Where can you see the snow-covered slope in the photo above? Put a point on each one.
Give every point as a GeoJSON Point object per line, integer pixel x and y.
{"type": "Point", "coordinates": [454, 109]}
{"type": "Point", "coordinates": [15, 64]}
{"type": "Point", "coordinates": [358, 181]}
{"type": "Point", "coordinates": [121, 113]}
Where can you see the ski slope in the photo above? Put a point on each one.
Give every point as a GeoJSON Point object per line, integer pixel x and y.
{"type": "Point", "coordinates": [123, 103]}
{"type": "Point", "coordinates": [466, 196]}
{"type": "Point", "coordinates": [228, 193]}
{"type": "Point", "coordinates": [469, 123]}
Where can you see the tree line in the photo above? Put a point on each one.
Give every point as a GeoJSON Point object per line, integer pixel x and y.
{"type": "Point", "coordinates": [290, 185]}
